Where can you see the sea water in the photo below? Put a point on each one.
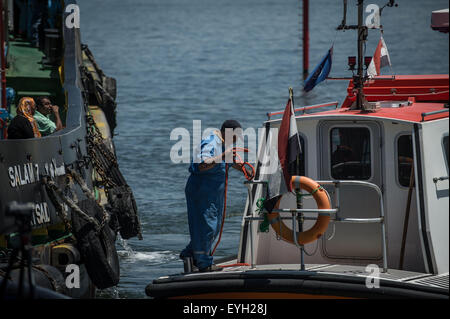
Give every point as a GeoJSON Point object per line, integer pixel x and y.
{"type": "Point", "coordinates": [176, 61]}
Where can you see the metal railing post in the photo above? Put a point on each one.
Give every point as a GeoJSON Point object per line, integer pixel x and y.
{"type": "Point", "coordinates": [249, 185]}
{"type": "Point", "coordinates": [250, 225]}
{"type": "Point", "coordinates": [381, 219]}
{"type": "Point", "coordinates": [384, 238]}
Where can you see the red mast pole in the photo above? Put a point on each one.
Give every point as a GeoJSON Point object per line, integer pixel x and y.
{"type": "Point", "coordinates": [2, 52]}
{"type": "Point", "coordinates": [305, 38]}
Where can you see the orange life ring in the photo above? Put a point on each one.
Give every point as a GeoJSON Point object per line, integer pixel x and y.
{"type": "Point", "coordinates": [321, 225]}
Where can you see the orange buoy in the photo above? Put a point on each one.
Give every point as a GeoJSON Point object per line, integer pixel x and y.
{"type": "Point", "coordinates": [323, 202]}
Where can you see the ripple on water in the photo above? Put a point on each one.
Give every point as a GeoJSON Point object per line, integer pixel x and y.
{"type": "Point", "coordinates": [149, 258]}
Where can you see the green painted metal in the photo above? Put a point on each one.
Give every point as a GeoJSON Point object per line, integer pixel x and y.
{"type": "Point", "coordinates": [28, 76]}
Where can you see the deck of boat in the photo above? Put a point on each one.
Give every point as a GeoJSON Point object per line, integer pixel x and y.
{"type": "Point", "coordinates": [288, 281]}
{"type": "Point", "coordinates": [29, 77]}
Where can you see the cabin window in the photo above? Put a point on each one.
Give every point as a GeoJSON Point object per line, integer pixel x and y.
{"type": "Point", "coordinates": [298, 168]}
{"type": "Point", "coordinates": [350, 153]}
{"type": "Point", "coordinates": [404, 159]}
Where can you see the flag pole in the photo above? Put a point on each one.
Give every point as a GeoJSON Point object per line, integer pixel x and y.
{"type": "Point", "coordinates": [291, 98]}
{"type": "Point", "coordinates": [298, 191]}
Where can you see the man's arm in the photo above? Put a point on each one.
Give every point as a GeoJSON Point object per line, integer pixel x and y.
{"type": "Point", "coordinates": [58, 123]}
{"type": "Point", "coordinates": [210, 162]}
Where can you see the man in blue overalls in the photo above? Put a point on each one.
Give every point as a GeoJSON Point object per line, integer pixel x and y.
{"type": "Point", "coordinates": [205, 195]}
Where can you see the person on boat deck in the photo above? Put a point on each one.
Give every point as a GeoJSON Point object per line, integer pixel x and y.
{"type": "Point", "coordinates": [43, 110]}
{"type": "Point", "coordinates": [24, 125]}
{"type": "Point", "coordinates": [205, 193]}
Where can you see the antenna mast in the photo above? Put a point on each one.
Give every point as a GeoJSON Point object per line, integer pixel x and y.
{"type": "Point", "coordinates": [359, 78]}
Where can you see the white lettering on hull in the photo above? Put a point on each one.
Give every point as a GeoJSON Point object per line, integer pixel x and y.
{"type": "Point", "coordinates": [28, 173]}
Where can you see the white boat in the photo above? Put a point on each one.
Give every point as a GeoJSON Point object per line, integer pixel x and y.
{"type": "Point", "coordinates": [385, 167]}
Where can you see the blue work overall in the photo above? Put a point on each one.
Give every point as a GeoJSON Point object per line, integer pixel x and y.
{"type": "Point", "coordinates": [205, 202]}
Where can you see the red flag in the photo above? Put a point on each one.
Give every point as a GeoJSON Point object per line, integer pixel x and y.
{"type": "Point", "coordinates": [288, 143]}
{"type": "Point", "coordinates": [379, 60]}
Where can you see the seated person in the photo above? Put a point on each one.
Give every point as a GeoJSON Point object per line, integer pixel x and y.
{"type": "Point", "coordinates": [24, 125]}
{"type": "Point", "coordinates": [43, 109]}
{"type": "Point", "coordinates": [342, 154]}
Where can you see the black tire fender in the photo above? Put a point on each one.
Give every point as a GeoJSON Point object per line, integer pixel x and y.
{"type": "Point", "coordinates": [98, 252]}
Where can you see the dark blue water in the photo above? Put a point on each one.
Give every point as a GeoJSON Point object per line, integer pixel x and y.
{"type": "Point", "coordinates": [177, 61]}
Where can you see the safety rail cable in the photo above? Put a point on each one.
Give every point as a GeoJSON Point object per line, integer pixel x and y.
{"type": "Point", "coordinates": [304, 108]}
{"type": "Point", "coordinates": [407, 94]}
{"type": "Point", "coordinates": [333, 213]}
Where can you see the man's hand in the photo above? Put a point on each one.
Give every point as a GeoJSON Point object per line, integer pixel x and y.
{"type": "Point", "coordinates": [249, 174]}
{"type": "Point", "coordinates": [238, 166]}
{"type": "Point", "coordinates": [55, 108]}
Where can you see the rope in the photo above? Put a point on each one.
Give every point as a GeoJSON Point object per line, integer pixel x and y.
{"type": "Point", "coordinates": [87, 192]}
{"type": "Point", "coordinates": [265, 224]}
{"type": "Point", "coordinates": [54, 192]}
{"type": "Point", "coordinates": [300, 195]}
{"type": "Point", "coordinates": [247, 176]}
{"type": "Point", "coordinates": [238, 159]}
{"type": "Point", "coordinates": [315, 190]}
{"type": "Point", "coordinates": [315, 250]}
{"type": "Point", "coordinates": [58, 206]}
{"type": "Point", "coordinates": [71, 203]}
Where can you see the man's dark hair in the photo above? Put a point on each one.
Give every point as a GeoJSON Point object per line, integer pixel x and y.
{"type": "Point", "coordinates": [230, 124]}
{"type": "Point", "coordinates": [40, 101]}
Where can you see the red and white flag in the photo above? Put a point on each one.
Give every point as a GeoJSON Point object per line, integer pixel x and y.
{"type": "Point", "coordinates": [288, 143]}
{"type": "Point", "coordinates": [380, 59]}
{"type": "Point", "coordinates": [289, 148]}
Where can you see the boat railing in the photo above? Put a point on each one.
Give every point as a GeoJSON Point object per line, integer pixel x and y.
{"type": "Point", "coordinates": [298, 213]}
{"type": "Point", "coordinates": [424, 115]}
{"type": "Point", "coordinates": [304, 109]}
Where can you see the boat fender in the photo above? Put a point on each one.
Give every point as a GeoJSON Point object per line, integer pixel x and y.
{"type": "Point", "coordinates": [64, 254]}
{"type": "Point", "coordinates": [110, 85]}
{"type": "Point", "coordinates": [98, 251]}
{"type": "Point", "coordinates": [320, 195]}
{"type": "Point", "coordinates": [124, 212]}
{"type": "Point", "coordinates": [45, 276]}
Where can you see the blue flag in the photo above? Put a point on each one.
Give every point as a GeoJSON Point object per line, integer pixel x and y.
{"type": "Point", "coordinates": [319, 73]}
